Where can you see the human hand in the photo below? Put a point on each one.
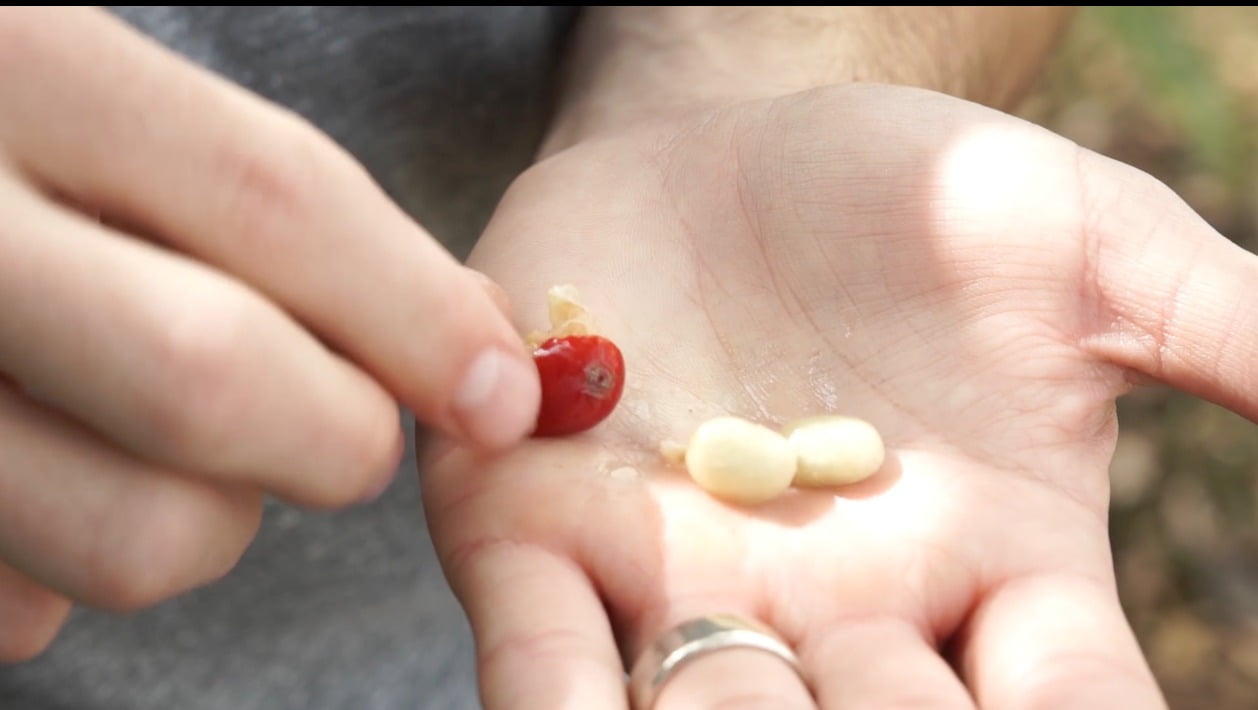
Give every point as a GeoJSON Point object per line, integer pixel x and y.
{"type": "Point", "coordinates": [977, 287]}
{"type": "Point", "coordinates": [238, 322]}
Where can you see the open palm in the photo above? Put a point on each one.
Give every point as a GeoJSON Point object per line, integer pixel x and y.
{"type": "Point", "coordinates": [978, 288]}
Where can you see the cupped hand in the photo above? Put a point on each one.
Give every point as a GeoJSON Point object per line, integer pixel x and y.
{"type": "Point", "coordinates": [980, 289]}
{"type": "Point", "coordinates": [205, 301]}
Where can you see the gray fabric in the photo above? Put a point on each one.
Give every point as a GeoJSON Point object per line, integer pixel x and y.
{"type": "Point", "coordinates": [349, 609]}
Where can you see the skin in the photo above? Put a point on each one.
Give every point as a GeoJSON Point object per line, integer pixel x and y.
{"type": "Point", "coordinates": [145, 268]}
{"type": "Point", "coordinates": [993, 327]}
{"type": "Point", "coordinates": [633, 64]}
{"type": "Point", "coordinates": [978, 288]}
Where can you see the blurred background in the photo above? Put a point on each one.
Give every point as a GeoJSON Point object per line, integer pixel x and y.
{"type": "Point", "coordinates": [1174, 91]}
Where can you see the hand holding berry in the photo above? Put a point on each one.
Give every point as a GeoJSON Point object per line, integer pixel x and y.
{"type": "Point", "coordinates": [977, 288]}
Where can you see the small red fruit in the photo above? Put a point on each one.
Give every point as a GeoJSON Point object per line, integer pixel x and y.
{"type": "Point", "coordinates": [582, 378]}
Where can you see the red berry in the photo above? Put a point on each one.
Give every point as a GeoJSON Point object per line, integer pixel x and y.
{"type": "Point", "coordinates": [582, 378]}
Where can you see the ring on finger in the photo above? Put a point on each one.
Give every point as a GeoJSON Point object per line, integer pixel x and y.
{"type": "Point", "coordinates": [697, 637]}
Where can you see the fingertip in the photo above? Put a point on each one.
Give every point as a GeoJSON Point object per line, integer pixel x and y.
{"type": "Point", "coordinates": [355, 455]}
{"type": "Point", "coordinates": [375, 465]}
{"type": "Point", "coordinates": [497, 400]}
{"type": "Point", "coordinates": [33, 616]}
{"type": "Point", "coordinates": [389, 472]}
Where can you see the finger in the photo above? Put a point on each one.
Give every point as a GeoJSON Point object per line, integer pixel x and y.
{"type": "Point", "coordinates": [257, 191]}
{"type": "Point", "coordinates": [881, 662]}
{"type": "Point", "coordinates": [1178, 298]}
{"type": "Point", "coordinates": [31, 615]}
{"type": "Point", "coordinates": [102, 527]}
{"type": "Point", "coordinates": [543, 639]}
{"type": "Point", "coordinates": [183, 366]}
{"type": "Point", "coordinates": [729, 677]}
{"type": "Point", "coordinates": [1049, 642]}
{"type": "Point", "coordinates": [734, 678]}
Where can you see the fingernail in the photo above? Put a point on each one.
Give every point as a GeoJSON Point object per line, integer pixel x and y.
{"type": "Point", "coordinates": [497, 402]}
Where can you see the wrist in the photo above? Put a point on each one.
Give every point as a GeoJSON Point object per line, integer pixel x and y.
{"type": "Point", "coordinates": [630, 65]}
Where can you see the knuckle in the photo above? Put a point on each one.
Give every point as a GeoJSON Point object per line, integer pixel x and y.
{"type": "Point", "coordinates": [515, 652]}
{"type": "Point", "coordinates": [272, 179]}
{"type": "Point", "coordinates": [159, 551]}
{"type": "Point", "coordinates": [198, 396]}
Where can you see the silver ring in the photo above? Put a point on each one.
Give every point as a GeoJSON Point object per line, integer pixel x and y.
{"type": "Point", "coordinates": [691, 639]}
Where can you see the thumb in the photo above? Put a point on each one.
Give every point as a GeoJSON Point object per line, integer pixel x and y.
{"type": "Point", "coordinates": [1179, 300]}
{"type": "Point", "coordinates": [496, 401]}
{"type": "Point", "coordinates": [496, 293]}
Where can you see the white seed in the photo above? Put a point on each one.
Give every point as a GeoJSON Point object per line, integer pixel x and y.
{"type": "Point", "coordinates": [834, 451]}
{"type": "Point", "coordinates": [739, 461]}
{"type": "Point", "coordinates": [564, 305]}
{"type": "Point", "coordinates": [568, 316]}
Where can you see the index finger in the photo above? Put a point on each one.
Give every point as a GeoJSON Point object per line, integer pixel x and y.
{"type": "Point", "coordinates": [129, 128]}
